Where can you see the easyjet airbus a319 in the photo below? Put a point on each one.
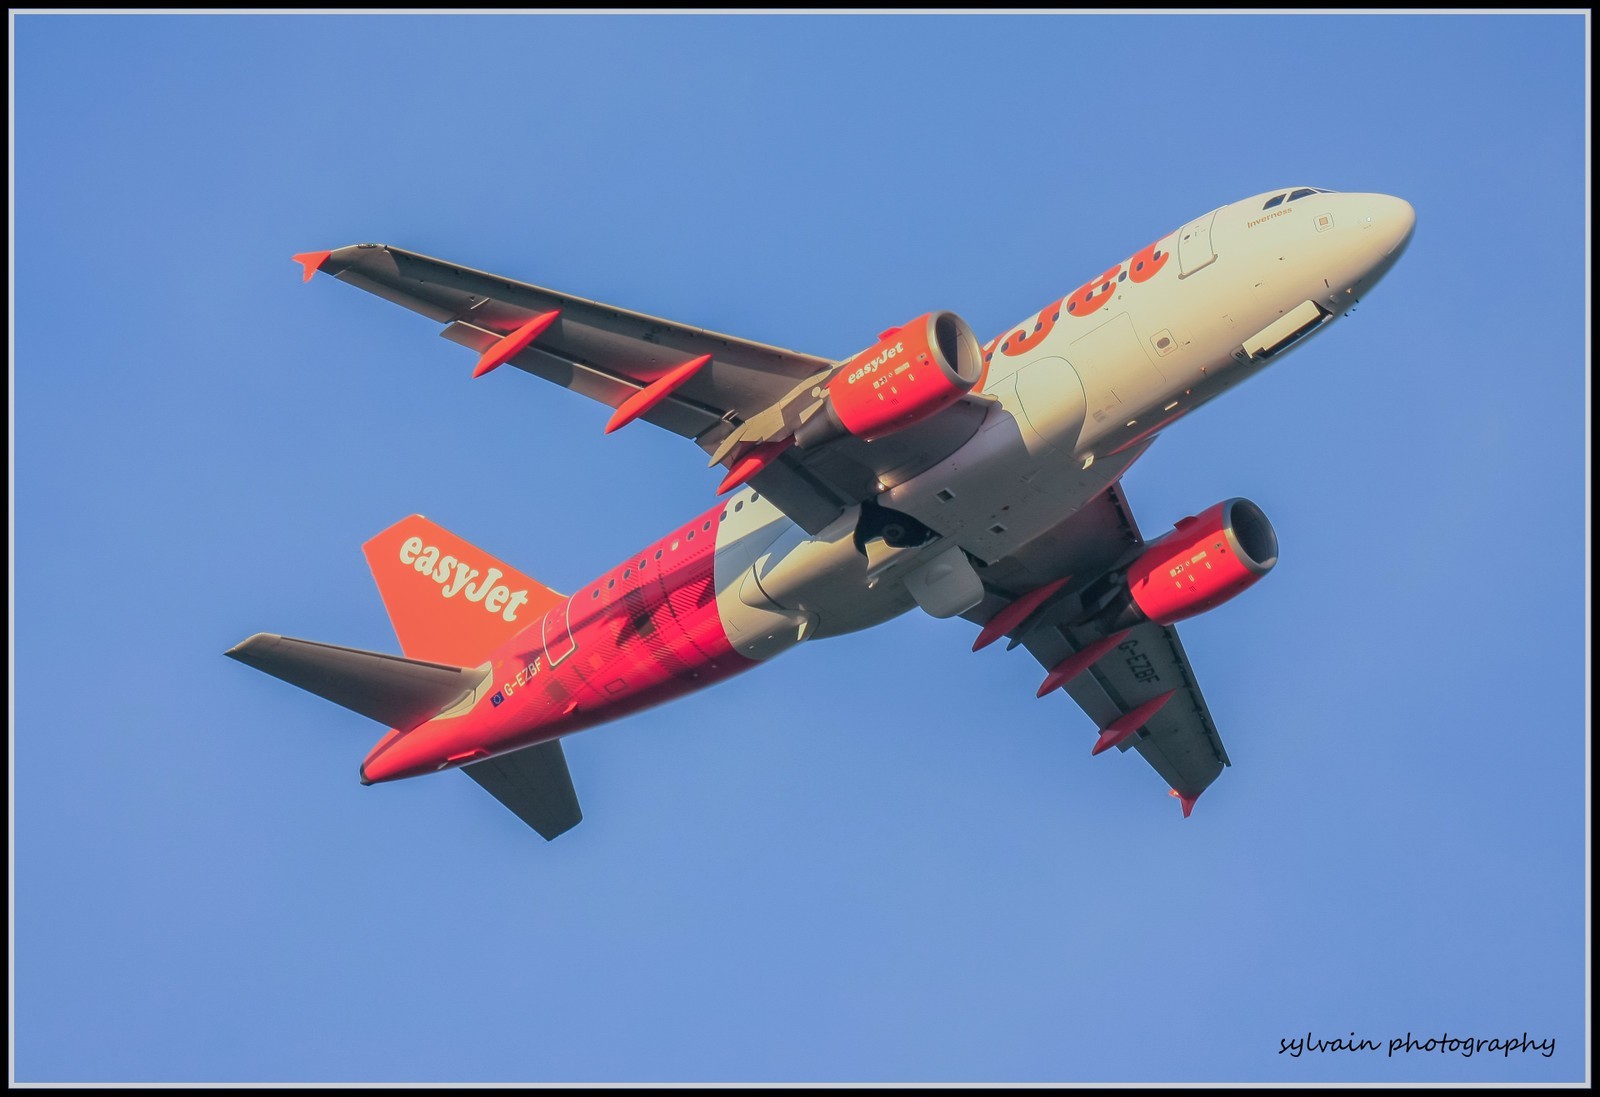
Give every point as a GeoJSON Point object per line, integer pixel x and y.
{"type": "Point", "coordinates": [928, 471]}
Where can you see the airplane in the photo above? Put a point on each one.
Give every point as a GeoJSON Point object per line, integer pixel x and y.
{"type": "Point", "coordinates": [927, 471]}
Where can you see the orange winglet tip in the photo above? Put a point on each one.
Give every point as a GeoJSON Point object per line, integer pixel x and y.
{"type": "Point", "coordinates": [311, 260]}
{"type": "Point", "coordinates": [514, 344]}
{"type": "Point", "coordinates": [755, 459]}
{"type": "Point", "coordinates": [1014, 614]}
{"type": "Point", "coordinates": [1186, 801]}
{"type": "Point", "coordinates": [655, 392]}
{"type": "Point", "coordinates": [1125, 725]}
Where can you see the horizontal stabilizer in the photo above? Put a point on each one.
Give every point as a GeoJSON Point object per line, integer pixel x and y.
{"type": "Point", "coordinates": [535, 784]}
{"type": "Point", "coordinates": [398, 693]}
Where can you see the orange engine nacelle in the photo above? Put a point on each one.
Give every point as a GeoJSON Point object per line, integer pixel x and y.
{"type": "Point", "coordinates": [1203, 562]}
{"type": "Point", "coordinates": [911, 373]}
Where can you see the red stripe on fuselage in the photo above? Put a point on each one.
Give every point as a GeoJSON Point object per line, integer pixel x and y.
{"type": "Point", "coordinates": [645, 632]}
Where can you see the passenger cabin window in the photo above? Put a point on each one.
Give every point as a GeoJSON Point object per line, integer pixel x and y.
{"type": "Point", "coordinates": [1273, 201]}
{"type": "Point", "coordinates": [1303, 192]}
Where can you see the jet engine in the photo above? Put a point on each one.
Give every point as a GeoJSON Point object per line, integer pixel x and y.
{"type": "Point", "coordinates": [1206, 560]}
{"type": "Point", "coordinates": [912, 372]}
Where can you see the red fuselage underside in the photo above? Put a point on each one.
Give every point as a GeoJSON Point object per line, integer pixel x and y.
{"type": "Point", "coordinates": [646, 634]}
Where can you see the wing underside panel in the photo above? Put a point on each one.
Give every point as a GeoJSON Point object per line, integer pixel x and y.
{"type": "Point", "coordinates": [609, 354]}
{"type": "Point", "coordinates": [1180, 741]}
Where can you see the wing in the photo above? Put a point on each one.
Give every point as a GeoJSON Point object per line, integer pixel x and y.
{"type": "Point", "coordinates": [612, 355]}
{"type": "Point", "coordinates": [1178, 738]}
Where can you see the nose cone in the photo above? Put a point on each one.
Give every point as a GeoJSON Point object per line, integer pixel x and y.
{"type": "Point", "coordinates": [1390, 221]}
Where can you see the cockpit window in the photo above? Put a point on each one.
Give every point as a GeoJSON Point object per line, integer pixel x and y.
{"type": "Point", "coordinates": [1273, 201]}
{"type": "Point", "coordinates": [1303, 192]}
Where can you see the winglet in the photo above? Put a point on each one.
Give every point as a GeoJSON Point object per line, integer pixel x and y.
{"type": "Point", "coordinates": [514, 344]}
{"type": "Point", "coordinates": [655, 392]}
{"type": "Point", "coordinates": [311, 260]}
{"type": "Point", "coordinates": [1186, 801]}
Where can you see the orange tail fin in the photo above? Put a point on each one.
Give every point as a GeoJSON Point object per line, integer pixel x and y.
{"type": "Point", "coordinates": [449, 601]}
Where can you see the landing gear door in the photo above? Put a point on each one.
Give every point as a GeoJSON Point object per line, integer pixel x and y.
{"type": "Point", "coordinates": [1194, 245]}
{"type": "Point", "coordinates": [558, 640]}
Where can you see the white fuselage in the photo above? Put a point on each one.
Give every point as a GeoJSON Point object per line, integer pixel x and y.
{"type": "Point", "coordinates": [1075, 394]}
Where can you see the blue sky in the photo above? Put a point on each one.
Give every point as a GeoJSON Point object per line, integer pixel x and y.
{"type": "Point", "coordinates": [809, 873]}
